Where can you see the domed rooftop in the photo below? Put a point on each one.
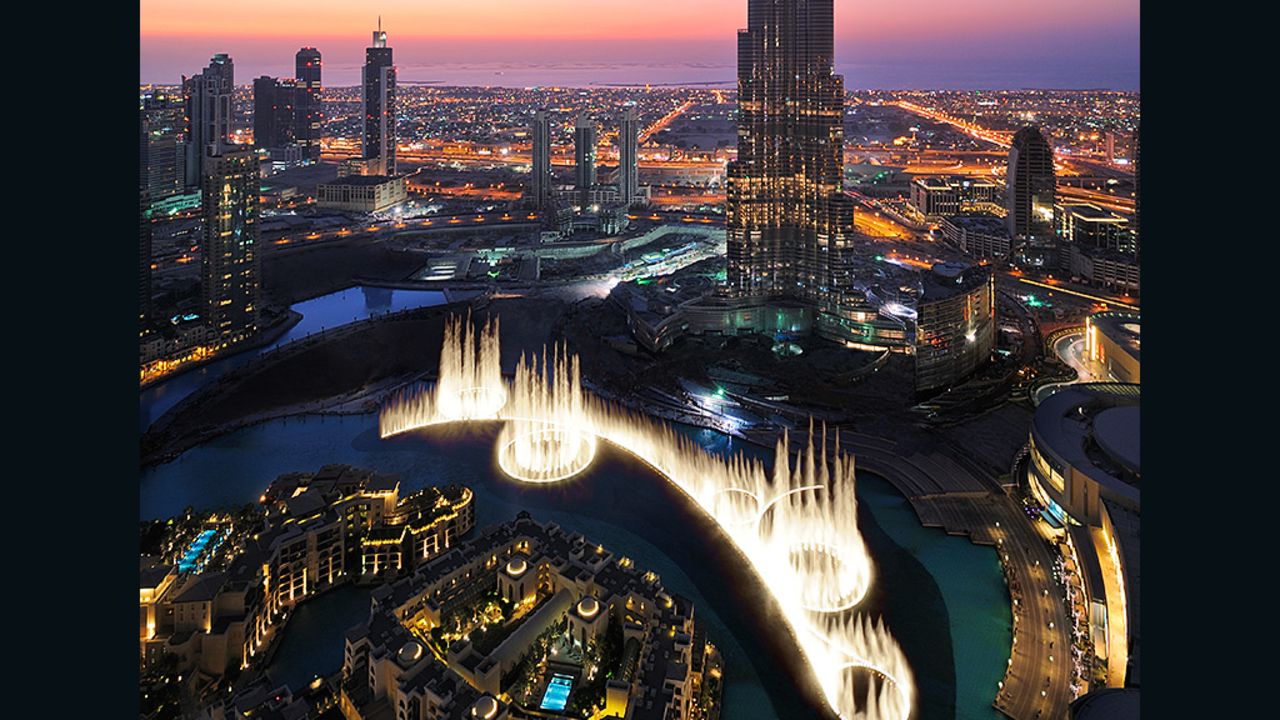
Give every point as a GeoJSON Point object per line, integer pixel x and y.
{"type": "Point", "coordinates": [517, 567]}
{"type": "Point", "coordinates": [588, 607]}
{"type": "Point", "coordinates": [485, 707]}
{"type": "Point", "coordinates": [410, 653]}
{"type": "Point", "coordinates": [1117, 431]}
{"type": "Point", "coordinates": [1095, 428]}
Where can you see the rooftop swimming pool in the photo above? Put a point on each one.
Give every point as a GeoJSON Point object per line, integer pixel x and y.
{"type": "Point", "coordinates": [944, 596]}
{"type": "Point", "coordinates": [193, 558]}
{"type": "Point", "coordinates": [557, 695]}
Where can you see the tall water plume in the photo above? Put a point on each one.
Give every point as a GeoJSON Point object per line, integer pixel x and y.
{"type": "Point", "coordinates": [796, 525]}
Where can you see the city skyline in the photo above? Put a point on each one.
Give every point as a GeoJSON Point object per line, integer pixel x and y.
{"type": "Point", "coordinates": [461, 386]}
{"type": "Point", "coordinates": [1060, 46]}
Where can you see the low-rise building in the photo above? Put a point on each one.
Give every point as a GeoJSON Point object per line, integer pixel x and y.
{"type": "Point", "coordinates": [662, 310]}
{"type": "Point", "coordinates": [938, 197]}
{"type": "Point", "coordinates": [553, 579]}
{"type": "Point", "coordinates": [955, 324]}
{"type": "Point", "coordinates": [1113, 340]}
{"type": "Point", "coordinates": [1106, 268]}
{"type": "Point", "coordinates": [154, 584]}
{"type": "Point", "coordinates": [980, 236]}
{"type": "Point", "coordinates": [316, 534]}
{"type": "Point", "coordinates": [1085, 471]}
{"type": "Point", "coordinates": [165, 341]}
{"type": "Point", "coordinates": [362, 193]}
{"type": "Point", "coordinates": [1088, 225]}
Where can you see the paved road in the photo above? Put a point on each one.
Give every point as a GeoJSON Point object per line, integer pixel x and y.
{"type": "Point", "coordinates": [1035, 686]}
{"type": "Point", "coordinates": [962, 499]}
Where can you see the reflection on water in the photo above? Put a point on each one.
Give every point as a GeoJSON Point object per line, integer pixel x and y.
{"type": "Point", "coordinates": [311, 644]}
{"type": "Point", "coordinates": [318, 314]}
{"type": "Point", "coordinates": [624, 508]}
{"type": "Point", "coordinates": [377, 299]}
{"type": "Point", "coordinates": [972, 586]}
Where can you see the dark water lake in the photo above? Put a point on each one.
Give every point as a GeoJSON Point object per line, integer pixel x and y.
{"type": "Point", "coordinates": [318, 314]}
{"type": "Point", "coordinates": [943, 597]}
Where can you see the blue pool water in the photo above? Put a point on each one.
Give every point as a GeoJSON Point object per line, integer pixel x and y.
{"type": "Point", "coordinates": [557, 695]}
{"type": "Point", "coordinates": [952, 614]}
{"type": "Point", "coordinates": [191, 558]}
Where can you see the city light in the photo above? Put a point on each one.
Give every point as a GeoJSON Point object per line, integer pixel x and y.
{"type": "Point", "coordinates": [797, 526]}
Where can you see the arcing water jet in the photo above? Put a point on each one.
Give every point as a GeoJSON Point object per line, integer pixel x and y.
{"type": "Point", "coordinates": [797, 526]}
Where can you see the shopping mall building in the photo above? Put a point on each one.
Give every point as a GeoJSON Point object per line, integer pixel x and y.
{"type": "Point", "coordinates": [1085, 470]}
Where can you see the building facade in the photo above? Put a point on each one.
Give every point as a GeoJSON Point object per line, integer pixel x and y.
{"type": "Point", "coordinates": [1113, 340]}
{"type": "Point", "coordinates": [379, 106]}
{"type": "Point", "coordinates": [1105, 268]}
{"type": "Point", "coordinates": [955, 324]}
{"type": "Point", "coordinates": [209, 113]}
{"type": "Point", "coordinates": [584, 147]}
{"type": "Point", "coordinates": [559, 578]}
{"type": "Point", "coordinates": [362, 193]}
{"type": "Point", "coordinates": [541, 186]}
{"type": "Point", "coordinates": [1031, 187]}
{"type": "Point", "coordinates": [980, 236]}
{"type": "Point", "coordinates": [1088, 225]}
{"type": "Point", "coordinates": [1084, 469]}
{"type": "Point", "coordinates": [164, 144]}
{"type": "Point", "coordinates": [935, 197]}
{"type": "Point", "coordinates": [230, 261]}
{"type": "Point", "coordinates": [144, 263]}
{"type": "Point", "coordinates": [1137, 189]}
{"type": "Point", "coordinates": [628, 157]}
{"type": "Point", "coordinates": [790, 225]}
{"type": "Point", "coordinates": [144, 234]}
{"type": "Point", "coordinates": [309, 105]}
{"type": "Point", "coordinates": [274, 113]}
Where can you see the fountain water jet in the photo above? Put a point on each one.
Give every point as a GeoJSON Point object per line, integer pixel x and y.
{"type": "Point", "coordinates": [796, 526]}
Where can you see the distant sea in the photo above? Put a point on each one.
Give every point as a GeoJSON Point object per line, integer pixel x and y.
{"type": "Point", "coordinates": [888, 76]}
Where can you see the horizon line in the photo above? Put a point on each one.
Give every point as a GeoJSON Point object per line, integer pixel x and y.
{"type": "Point", "coordinates": [691, 85]}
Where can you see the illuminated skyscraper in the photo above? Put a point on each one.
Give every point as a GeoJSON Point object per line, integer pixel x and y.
{"type": "Point", "coordinates": [144, 260]}
{"type": "Point", "coordinates": [144, 230]}
{"type": "Point", "coordinates": [628, 160]}
{"type": "Point", "coordinates": [208, 112]}
{"type": "Point", "coordinates": [790, 225]}
{"type": "Point", "coordinates": [584, 147]}
{"type": "Point", "coordinates": [1031, 187]}
{"type": "Point", "coordinates": [541, 187]}
{"type": "Point", "coordinates": [309, 108]}
{"type": "Point", "coordinates": [379, 107]}
{"type": "Point", "coordinates": [164, 144]}
{"type": "Point", "coordinates": [1137, 190]}
{"type": "Point", "coordinates": [229, 253]}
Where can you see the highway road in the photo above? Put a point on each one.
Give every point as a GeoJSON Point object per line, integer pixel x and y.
{"type": "Point", "coordinates": [1038, 681]}
{"type": "Point", "coordinates": [379, 230]}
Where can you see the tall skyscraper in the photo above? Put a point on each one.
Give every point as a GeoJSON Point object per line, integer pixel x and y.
{"type": "Point", "coordinates": [144, 260]}
{"type": "Point", "coordinates": [584, 148]}
{"type": "Point", "coordinates": [790, 225]}
{"type": "Point", "coordinates": [208, 112]}
{"type": "Point", "coordinates": [1031, 187]}
{"type": "Point", "coordinates": [275, 112]}
{"type": "Point", "coordinates": [309, 105]}
{"type": "Point", "coordinates": [229, 255]}
{"type": "Point", "coordinates": [164, 144]}
{"type": "Point", "coordinates": [541, 187]}
{"type": "Point", "coordinates": [379, 107]}
{"type": "Point", "coordinates": [1137, 190]}
{"type": "Point", "coordinates": [144, 231]}
{"type": "Point", "coordinates": [628, 160]}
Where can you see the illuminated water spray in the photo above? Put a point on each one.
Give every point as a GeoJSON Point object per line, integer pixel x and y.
{"type": "Point", "coordinates": [470, 386]}
{"type": "Point", "coordinates": [797, 526]}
